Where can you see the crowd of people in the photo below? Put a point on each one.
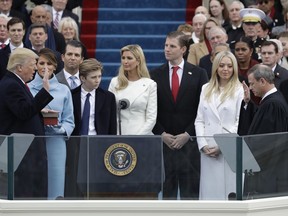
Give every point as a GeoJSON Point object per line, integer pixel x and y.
{"type": "Point", "coordinates": [225, 73]}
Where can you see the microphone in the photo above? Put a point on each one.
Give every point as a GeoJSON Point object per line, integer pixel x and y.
{"type": "Point", "coordinates": [124, 103]}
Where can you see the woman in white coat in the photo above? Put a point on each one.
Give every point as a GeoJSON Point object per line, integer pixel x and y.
{"type": "Point", "coordinates": [133, 84]}
{"type": "Point", "coordinates": [218, 112]}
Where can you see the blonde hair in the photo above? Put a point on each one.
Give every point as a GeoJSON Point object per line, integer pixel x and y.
{"type": "Point", "coordinates": [142, 70]}
{"type": "Point", "coordinates": [69, 22]}
{"type": "Point", "coordinates": [19, 57]}
{"type": "Point", "coordinates": [214, 85]}
{"type": "Point", "coordinates": [88, 66]}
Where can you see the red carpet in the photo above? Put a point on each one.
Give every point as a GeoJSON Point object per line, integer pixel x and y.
{"type": "Point", "coordinates": [89, 25]}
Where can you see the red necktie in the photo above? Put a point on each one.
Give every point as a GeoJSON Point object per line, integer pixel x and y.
{"type": "Point", "coordinates": [175, 82]}
{"type": "Point", "coordinates": [27, 87]}
{"type": "Point", "coordinates": [2, 45]}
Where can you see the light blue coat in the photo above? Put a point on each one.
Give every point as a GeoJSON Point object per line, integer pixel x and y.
{"type": "Point", "coordinates": [55, 145]}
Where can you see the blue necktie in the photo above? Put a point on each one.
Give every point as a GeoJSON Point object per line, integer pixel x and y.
{"type": "Point", "coordinates": [85, 116]}
{"type": "Point", "coordinates": [73, 83]}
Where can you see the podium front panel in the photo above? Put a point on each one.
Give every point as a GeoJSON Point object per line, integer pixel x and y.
{"type": "Point", "coordinates": [120, 164]}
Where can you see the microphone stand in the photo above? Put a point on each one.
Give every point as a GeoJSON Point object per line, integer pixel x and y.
{"type": "Point", "coordinates": [119, 119]}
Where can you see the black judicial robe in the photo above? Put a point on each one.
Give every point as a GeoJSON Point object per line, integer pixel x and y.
{"type": "Point", "coordinates": [270, 151]}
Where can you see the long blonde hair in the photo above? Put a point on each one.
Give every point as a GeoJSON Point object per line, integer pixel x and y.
{"type": "Point", "coordinates": [214, 85]}
{"type": "Point", "coordinates": [142, 70]}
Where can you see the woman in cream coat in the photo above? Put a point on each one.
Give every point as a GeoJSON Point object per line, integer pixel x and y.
{"type": "Point", "coordinates": [218, 112]}
{"type": "Point", "coordinates": [133, 83]}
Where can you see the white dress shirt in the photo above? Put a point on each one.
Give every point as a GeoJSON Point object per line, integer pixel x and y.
{"type": "Point", "coordinates": [179, 72]}
{"type": "Point", "coordinates": [68, 75]}
{"type": "Point", "coordinates": [92, 99]}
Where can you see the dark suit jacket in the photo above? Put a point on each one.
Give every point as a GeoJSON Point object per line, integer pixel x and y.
{"type": "Point", "coordinates": [105, 124]}
{"type": "Point", "coordinates": [271, 152]}
{"type": "Point", "coordinates": [55, 39]}
{"type": "Point", "coordinates": [4, 56]}
{"type": "Point", "coordinates": [206, 64]}
{"type": "Point", "coordinates": [176, 118]}
{"type": "Point", "coordinates": [67, 13]}
{"type": "Point", "coordinates": [20, 113]}
{"type": "Point", "coordinates": [105, 112]}
{"type": "Point", "coordinates": [281, 74]}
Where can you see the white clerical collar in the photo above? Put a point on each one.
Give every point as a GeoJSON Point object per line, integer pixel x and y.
{"type": "Point", "coordinates": [236, 27]}
{"type": "Point", "coordinates": [195, 38]}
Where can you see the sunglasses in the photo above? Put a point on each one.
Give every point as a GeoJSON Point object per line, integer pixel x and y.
{"type": "Point", "coordinates": [262, 2]}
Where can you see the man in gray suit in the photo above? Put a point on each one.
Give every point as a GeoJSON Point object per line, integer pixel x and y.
{"type": "Point", "coordinates": [72, 58]}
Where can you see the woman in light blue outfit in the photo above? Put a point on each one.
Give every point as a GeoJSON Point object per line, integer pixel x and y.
{"type": "Point", "coordinates": [56, 135]}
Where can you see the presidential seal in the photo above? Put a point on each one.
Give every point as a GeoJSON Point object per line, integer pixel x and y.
{"type": "Point", "coordinates": [120, 159]}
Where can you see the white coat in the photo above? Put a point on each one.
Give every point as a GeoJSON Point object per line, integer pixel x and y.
{"type": "Point", "coordinates": [140, 117]}
{"type": "Point", "coordinates": [216, 177]}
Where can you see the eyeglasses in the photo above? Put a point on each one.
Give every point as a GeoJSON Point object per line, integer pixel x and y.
{"type": "Point", "coordinates": [263, 1]}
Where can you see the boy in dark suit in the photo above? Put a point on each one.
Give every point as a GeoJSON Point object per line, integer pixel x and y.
{"type": "Point", "coordinates": [101, 116]}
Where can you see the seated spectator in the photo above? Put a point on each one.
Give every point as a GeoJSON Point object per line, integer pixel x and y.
{"type": "Point", "coordinates": [6, 8]}
{"type": "Point", "coordinates": [269, 54]}
{"type": "Point", "coordinates": [280, 53]}
{"type": "Point", "coordinates": [55, 40]}
{"type": "Point", "coordinates": [16, 31]}
{"type": "Point", "coordinates": [202, 10]}
{"type": "Point", "coordinates": [197, 51]}
{"type": "Point", "coordinates": [283, 37]}
{"type": "Point", "coordinates": [59, 11]}
{"type": "Point", "coordinates": [69, 29]}
{"type": "Point", "coordinates": [251, 18]}
{"type": "Point", "coordinates": [218, 9]}
{"type": "Point", "coordinates": [272, 10]}
{"type": "Point", "coordinates": [4, 38]}
{"type": "Point", "coordinates": [264, 32]}
{"type": "Point", "coordinates": [276, 30]}
{"type": "Point", "coordinates": [187, 29]}
{"type": "Point", "coordinates": [235, 30]}
{"type": "Point", "coordinates": [244, 49]}
{"type": "Point", "coordinates": [207, 60]}
{"type": "Point", "coordinates": [197, 26]}
{"type": "Point", "coordinates": [37, 37]}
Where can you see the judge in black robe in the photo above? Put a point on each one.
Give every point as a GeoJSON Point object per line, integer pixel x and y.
{"type": "Point", "coordinates": [270, 150]}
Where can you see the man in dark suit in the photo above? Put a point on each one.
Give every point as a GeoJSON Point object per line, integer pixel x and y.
{"type": "Point", "coordinates": [16, 31]}
{"type": "Point", "coordinates": [270, 57]}
{"type": "Point", "coordinates": [104, 122]}
{"type": "Point", "coordinates": [37, 37]}
{"type": "Point", "coordinates": [20, 113]}
{"type": "Point", "coordinates": [270, 151]}
{"type": "Point", "coordinates": [207, 60]}
{"type": "Point", "coordinates": [178, 95]}
{"type": "Point", "coordinates": [59, 11]}
{"type": "Point", "coordinates": [72, 58]}
{"type": "Point", "coordinates": [55, 40]}
{"type": "Point", "coordinates": [6, 8]}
